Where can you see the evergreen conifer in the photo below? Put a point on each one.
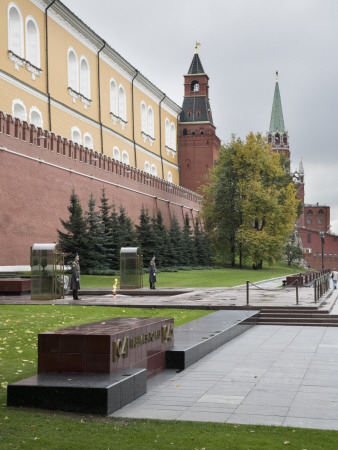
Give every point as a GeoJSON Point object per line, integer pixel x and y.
{"type": "Point", "coordinates": [75, 239]}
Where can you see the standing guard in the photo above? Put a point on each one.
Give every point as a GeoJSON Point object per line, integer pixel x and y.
{"type": "Point", "coordinates": [75, 282]}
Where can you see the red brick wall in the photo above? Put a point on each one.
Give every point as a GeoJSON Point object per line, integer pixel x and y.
{"type": "Point", "coordinates": [198, 153]}
{"type": "Point", "coordinates": [37, 178]}
{"type": "Point", "coordinates": [312, 245]}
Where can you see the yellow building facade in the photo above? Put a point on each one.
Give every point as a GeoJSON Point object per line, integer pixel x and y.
{"type": "Point", "coordinates": [61, 76]}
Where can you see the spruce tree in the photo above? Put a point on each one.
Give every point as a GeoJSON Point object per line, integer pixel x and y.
{"type": "Point", "coordinates": [127, 234]}
{"type": "Point", "coordinates": [145, 236]}
{"type": "Point", "coordinates": [189, 248]}
{"type": "Point", "coordinates": [95, 253]}
{"type": "Point", "coordinates": [160, 234]}
{"type": "Point", "coordinates": [202, 253]}
{"type": "Point", "coordinates": [115, 238]}
{"type": "Point", "coordinates": [107, 232]}
{"type": "Point", "coordinates": [177, 248]}
{"type": "Point", "coordinates": [75, 239]}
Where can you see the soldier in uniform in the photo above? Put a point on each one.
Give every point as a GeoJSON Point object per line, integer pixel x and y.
{"type": "Point", "coordinates": [75, 281]}
{"type": "Point", "coordinates": [152, 273]}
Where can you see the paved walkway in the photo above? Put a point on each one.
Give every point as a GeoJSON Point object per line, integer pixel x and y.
{"type": "Point", "coordinates": [263, 293]}
{"type": "Point", "coordinates": [271, 375]}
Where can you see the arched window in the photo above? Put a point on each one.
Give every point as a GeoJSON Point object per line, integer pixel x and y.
{"type": "Point", "coordinates": [277, 138]}
{"type": "Point", "coordinates": [125, 157]}
{"type": "Point", "coordinates": [87, 141]}
{"type": "Point", "coordinates": [167, 132]}
{"type": "Point", "coordinates": [35, 117]}
{"type": "Point", "coordinates": [84, 77]}
{"type": "Point", "coordinates": [320, 221]}
{"type": "Point", "coordinates": [73, 72]}
{"type": "Point", "coordinates": [76, 136]}
{"type": "Point", "coordinates": [320, 211]}
{"type": "Point", "coordinates": [122, 103]}
{"type": "Point", "coordinates": [143, 117]}
{"type": "Point", "coordinates": [173, 136]}
{"type": "Point", "coordinates": [113, 97]}
{"type": "Point", "coordinates": [170, 177]}
{"type": "Point", "coordinates": [195, 86]}
{"type": "Point", "coordinates": [269, 138]}
{"type": "Point", "coordinates": [147, 167]}
{"type": "Point", "coordinates": [153, 170]}
{"type": "Point", "coordinates": [15, 30]}
{"type": "Point", "coordinates": [32, 42]}
{"type": "Point", "coordinates": [309, 211]}
{"type": "Point", "coordinates": [150, 121]}
{"type": "Point", "coordinates": [116, 154]}
{"type": "Point", "coordinates": [19, 109]}
{"type": "Point", "coordinates": [185, 132]}
{"type": "Point", "coordinates": [285, 139]}
{"type": "Point", "coordinates": [309, 221]}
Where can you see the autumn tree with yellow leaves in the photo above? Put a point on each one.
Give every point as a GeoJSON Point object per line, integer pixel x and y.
{"type": "Point", "coordinates": [250, 203]}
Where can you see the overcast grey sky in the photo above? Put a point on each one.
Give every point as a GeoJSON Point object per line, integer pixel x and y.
{"type": "Point", "coordinates": [243, 42]}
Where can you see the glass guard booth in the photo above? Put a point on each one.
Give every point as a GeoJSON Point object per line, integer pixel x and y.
{"type": "Point", "coordinates": [131, 268]}
{"type": "Point", "coordinates": [47, 267]}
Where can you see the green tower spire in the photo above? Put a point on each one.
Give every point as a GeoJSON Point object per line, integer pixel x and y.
{"type": "Point", "coordinates": [277, 121]}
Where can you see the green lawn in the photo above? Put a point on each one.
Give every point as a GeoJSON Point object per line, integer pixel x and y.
{"type": "Point", "coordinates": [36, 429]}
{"type": "Point", "coordinates": [200, 278]}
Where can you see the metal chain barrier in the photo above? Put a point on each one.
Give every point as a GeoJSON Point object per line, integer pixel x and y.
{"type": "Point", "coordinates": [321, 285]}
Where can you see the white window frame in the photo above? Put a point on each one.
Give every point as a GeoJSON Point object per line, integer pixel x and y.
{"type": "Point", "coordinates": [33, 48]}
{"type": "Point", "coordinates": [38, 123]}
{"type": "Point", "coordinates": [20, 49]}
{"type": "Point", "coordinates": [125, 157]}
{"type": "Point", "coordinates": [73, 75]}
{"type": "Point", "coordinates": [113, 98]}
{"type": "Point", "coordinates": [173, 136]}
{"type": "Point", "coordinates": [122, 103]}
{"type": "Point", "coordinates": [150, 122]}
{"type": "Point", "coordinates": [147, 167]}
{"type": "Point", "coordinates": [75, 140]}
{"type": "Point", "coordinates": [84, 77]}
{"type": "Point", "coordinates": [153, 170]}
{"type": "Point", "coordinates": [23, 115]}
{"type": "Point", "coordinates": [116, 154]}
{"type": "Point", "coordinates": [144, 121]}
{"type": "Point", "coordinates": [167, 132]}
{"type": "Point", "coordinates": [88, 137]}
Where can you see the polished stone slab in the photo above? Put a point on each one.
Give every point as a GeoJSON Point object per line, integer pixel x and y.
{"type": "Point", "coordinates": [194, 340]}
{"type": "Point", "coordinates": [75, 392]}
{"type": "Point", "coordinates": [106, 346]}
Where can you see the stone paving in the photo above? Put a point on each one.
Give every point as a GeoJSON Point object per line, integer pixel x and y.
{"type": "Point", "coordinates": [270, 375]}
{"type": "Point", "coordinates": [261, 294]}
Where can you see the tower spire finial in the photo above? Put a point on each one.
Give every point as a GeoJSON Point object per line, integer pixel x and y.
{"type": "Point", "coordinates": [276, 76]}
{"type": "Point", "coordinates": [196, 46]}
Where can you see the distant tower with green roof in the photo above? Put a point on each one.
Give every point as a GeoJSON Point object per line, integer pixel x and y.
{"type": "Point", "coordinates": [277, 135]}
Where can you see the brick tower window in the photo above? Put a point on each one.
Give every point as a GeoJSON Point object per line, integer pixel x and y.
{"type": "Point", "coordinates": [195, 86]}
{"type": "Point", "coordinates": [198, 112]}
{"type": "Point", "coordinates": [185, 131]}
